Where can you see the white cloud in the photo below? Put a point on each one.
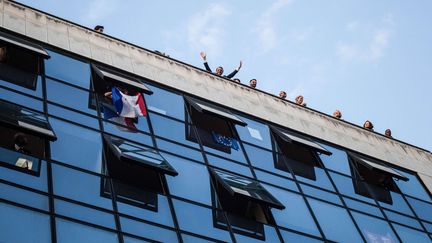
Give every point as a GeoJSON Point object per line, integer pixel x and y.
{"type": "Point", "coordinates": [99, 9]}
{"type": "Point", "coordinates": [265, 28]}
{"type": "Point", "coordinates": [205, 29]}
{"type": "Point", "coordinates": [373, 47]}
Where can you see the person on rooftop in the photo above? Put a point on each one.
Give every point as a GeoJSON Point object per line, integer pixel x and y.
{"type": "Point", "coordinates": [368, 125]}
{"type": "Point", "coordinates": [253, 83]}
{"type": "Point", "coordinates": [337, 114]}
{"type": "Point", "coordinates": [388, 133]}
{"type": "Point", "coordinates": [282, 94]}
{"type": "Point", "coordinates": [99, 28]}
{"type": "Point", "coordinates": [219, 70]}
{"type": "Point", "coordinates": [237, 80]}
{"type": "Point", "coordinates": [299, 100]}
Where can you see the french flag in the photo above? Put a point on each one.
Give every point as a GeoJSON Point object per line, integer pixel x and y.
{"type": "Point", "coordinates": [130, 106]}
{"type": "Point", "coordinates": [110, 113]}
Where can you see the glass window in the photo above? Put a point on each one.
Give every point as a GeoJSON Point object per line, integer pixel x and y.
{"type": "Point", "coordinates": [21, 99]}
{"type": "Point", "coordinates": [293, 237]}
{"type": "Point", "coordinates": [162, 216]}
{"type": "Point", "coordinates": [228, 165]}
{"type": "Point", "coordinates": [373, 229]}
{"type": "Point", "coordinates": [191, 239]}
{"type": "Point", "coordinates": [147, 231]}
{"type": "Point", "coordinates": [170, 129]}
{"type": "Point", "coordinates": [276, 180]}
{"type": "Point", "coordinates": [236, 155]}
{"type": "Point", "coordinates": [39, 183]}
{"type": "Point", "coordinates": [296, 215]}
{"type": "Point", "coordinates": [24, 197]}
{"type": "Point", "coordinates": [68, 231]}
{"type": "Point", "coordinates": [410, 235]}
{"type": "Point", "coordinates": [77, 146]}
{"type": "Point", "coordinates": [255, 133]}
{"type": "Point", "coordinates": [338, 161]}
{"type": "Point", "coordinates": [68, 69]}
{"type": "Point", "coordinates": [335, 222]}
{"type": "Point", "coordinates": [270, 235]}
{"type": "Point", "coordinates": [85, 188]}
{"type": "Point", "coordinates": [413, 187]}
{"type": "Point", "coordinates": [345, 186]}
{"type": "Point", "coordinates": [403, 219]}
{"type": "Point", "coordinates": [422, 209]}
{"type": "Point", "coordinates": [180, 150]}
{"type": "Point", "coordinates": [16, 223]}
{"type": "Point", "coordinates": [263, 159]}
{"type": "Point", "coordinates": [397, 204]}
{"type": "Point", "coordinates": [36, 92]}
{"type": "Point", "coordinates": [200, 222]}
{"type": "Point", "coordinates": [321, 194]}
{"type": "Point", "coordinates": [126, 133]}
{"type": "Point", "coordinates": [196, 189]}
{"type": "Point", "coordinates": [73, 116]}
{"type": "Point", "coordinates": [363, 207]}
{"type": "Point", "coordinates": [321, 179]}
{"type": "Point", "coordinates": [165, 102]}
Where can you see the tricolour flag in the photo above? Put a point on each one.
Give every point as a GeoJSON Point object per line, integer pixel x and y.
{"type": "Point", "coordinates": [130, 106]}
{"type": "Point", "coordinates": [110, 113]}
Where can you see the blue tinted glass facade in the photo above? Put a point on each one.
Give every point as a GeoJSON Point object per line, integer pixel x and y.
{"type": "Point", "coordinates": [75, 197]}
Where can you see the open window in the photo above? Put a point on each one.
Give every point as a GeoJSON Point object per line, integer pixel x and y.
{"type": "Point", "coordinates": [103, 82]}
{"type": "Point", "coordinates": [137, 172]}
{"type": "Point", "coordinates": [20, 60]}
{"type": "Point", "coordinates": [373, 179]}
{"type": "Point", "coordinates": [296, 152]}
{"type": "Point", "coordinates": [24, 134]}
{"type": "Point", "coordinates": [215, 125]}
{"type": "Point", "coordinates": [246, 202]}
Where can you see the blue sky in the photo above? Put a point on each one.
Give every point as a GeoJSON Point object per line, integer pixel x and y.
{"type": "Point", "coordinates": [370, 59]}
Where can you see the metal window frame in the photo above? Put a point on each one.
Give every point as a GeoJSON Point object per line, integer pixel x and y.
{"type": "Point", "coordinates": [24, 44]}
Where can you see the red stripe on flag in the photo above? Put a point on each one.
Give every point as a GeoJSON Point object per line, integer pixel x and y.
{"type": "Point", "coordinates": [141, 104]}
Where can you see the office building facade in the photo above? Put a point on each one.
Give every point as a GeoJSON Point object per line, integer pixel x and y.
{"type": "Point", "coordinates": [201, 158]}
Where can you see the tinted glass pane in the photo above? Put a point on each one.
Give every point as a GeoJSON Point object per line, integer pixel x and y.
{"type": "Point", "coordinates": [162, 216]}
{"type": "Point", "coordinates": [296, 215]}
{"type": "Point", "coordinates": [410, 235]}
{"type": "Point", "coordinates": [37, 92]}
{"type": "Point", "coordinates": [292, 237]}
{"type": "Point", "coordinates": [373, 229]}
{"type": "Point", "coordinates": [21, 99]}
{"type": "Point", "coordinates": [200, 221]}
{"type": "Point", "coordinates": [413, 187]}
{"type": "Point", "coordinates": [170, 129]}
{"type": "Point", "coordinates": [77, 146]}
{"type": "Point", "coordinates": [345, 186]}
{"type": "Point", "coordinates": [398, 204]}
{"type": "Point", "coordinates": [125, 133]}
{"type": "Point", "coordinates": [147, 231]}
{"type": "Point", "coordinates": [36, 182]}
{"type": "Point", "coordinates": [321, 194]}
{"type": "Point", "coordinates": [68, 69]}
{"type": "Point", "coordinates": [84, 213]}
{"type": "Point", "coordinates": [367, 208]}
{"type": "Point", "coordinates": [338, 161]}
{"type": "Point", "coordinates": [165, 102]}
{"type": "Point", "coordinates": [321, 179]}
{"type": "Point", "coordinates": [85, 188]}
{"type": "Point", "coordinates": [73, 116]}
{"type": "Point", "coordinates": [403, 219]}
{"type": "Point", "coordinates": [24, 197]}
{"type": "Point", "coordinates": [76, 98]}
{"type": "Point", "coordinates": [228, 165]}
{"type": "Point", "coordinates": [270, 235]}
{"type": "Point", "coordinates": [179, 150]}
{"type": "Point", "coordinates": [255, 133]}
{"type": "Point", "coordinates": [192, 182]}
{"type": "Point", "coordinates": [15, 224]}
{"type": "Point", "coordinates": [192, 239]}
{"type": "Point", "coordinates": [263, 159]}
{"type": "Point", "coordinates": [276, 180]}
{"type": "Point", "coordinates": [422, 209]}
{"type": "Point", "coordinates": [335, 222]}
{"type": "Point", "coordinates": [68, 231]}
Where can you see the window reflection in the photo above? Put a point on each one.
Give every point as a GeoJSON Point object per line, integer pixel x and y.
{"type": "Point", "coordinates": [165, 102]}
{"type": "Point", "coordinates": [68, 231]}
{"type": "Point", "coordinates": [411, 235]}
{"type": "Point", "coordinates": [374, 230]}
{"type": "Point", "coordinates": [36, 92]}
{"type": "Point", "coordinates": [255, 133]}
{"type": "Point", "coordinates": [20, 99]}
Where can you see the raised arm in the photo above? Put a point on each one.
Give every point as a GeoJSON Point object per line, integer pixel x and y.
{"type": "Point", "coordinates": [204, 58]}
{"type": "Point", "coordinates": [235, 71]}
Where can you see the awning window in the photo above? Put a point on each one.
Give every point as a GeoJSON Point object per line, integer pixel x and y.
{"type": "Point", "coordinates": [121, 80]}
{"type": "Point", "coordinates": [23, 44]}
{"type": "Point", "coordinates": [205, 107]}
{"type": "Point", "coordinates": [245, 187]}
{"type": "Point", "coordinates": [26, 120]}
{"type": "Point", "coordinates": [302, 140]}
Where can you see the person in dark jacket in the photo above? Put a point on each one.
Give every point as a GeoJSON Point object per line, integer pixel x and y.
{"type": "Point", "coordinates": [368, 125]}
{"type": "Point", "coordinates": [219, 70]}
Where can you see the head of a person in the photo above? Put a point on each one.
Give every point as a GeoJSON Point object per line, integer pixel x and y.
{"type": "Point", "coordinates": [123, 90]}
{"type": "Point", "coordinates": [236, 80]}
{"type": "Point", "coordinates": [282, 94]}
{"type": "Point", "coordinates": [99, 28]}
{"type": "Point", "coordinates": [388, 133]}
{"type": "Point", "coordinates": [3, 53]}
{"type": "Point", "coordinates": [337, 114]}
{"type": "Point", "coordinates": [20, 140]}
{"type": "Point", "coordinates": [299, 99]}
{"type": "Point", "coordinates": [253, 83]}
{"type": "Point", "coordinates": [368, 125]}
{"type": "Point", "coordinates": [219, 71]}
